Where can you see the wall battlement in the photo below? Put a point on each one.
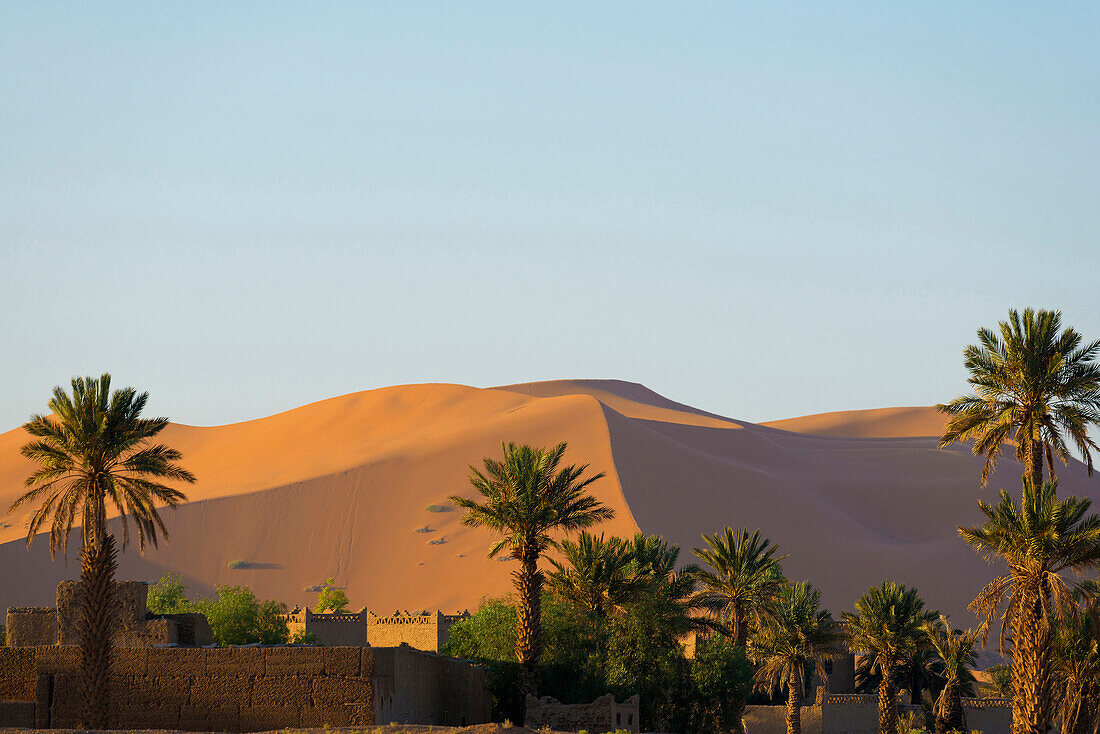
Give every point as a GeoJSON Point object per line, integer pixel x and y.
{"type": "Point", "coordinates": [421, 630]}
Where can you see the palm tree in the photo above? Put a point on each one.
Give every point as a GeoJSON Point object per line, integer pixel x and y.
{"type": "Point", "coordinates": [798, 634]}
{"type": "Point", "coordinates": [1038, 539]}
{"type": "Point", "coordinates": [742, 580]}
{"type": "Point", "coordinates": [1077, 665]}
{"type": "Point", "coordinates": [1034, 385]}
{"type": "Point", "coordinates": [889, 623]}
{"type": "Point", "coordinates": [956, 651]}
{"type": "Point", "coordinates": [595, 575]}
{"type": "Point", "coordinates": [94, 448]}
{"type": "Point", "coordinates": [526, 497]}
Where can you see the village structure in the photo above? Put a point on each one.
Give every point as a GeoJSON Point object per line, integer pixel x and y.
{"type": "Point", "coordinates": [423, 630]}
{"type": "Point", "coordinates": [368, 669]}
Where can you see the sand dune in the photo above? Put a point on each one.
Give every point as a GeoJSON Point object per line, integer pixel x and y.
{"type": "Point", "coordinates": [340, 488]}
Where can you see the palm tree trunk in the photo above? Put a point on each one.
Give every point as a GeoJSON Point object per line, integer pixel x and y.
{"type": "Point", "coordinates": [1035, 464]}
{"type": "Point", "coordinates": [97, 571]}
{"type": "Point", "coordinates": [794, 705]}
{"type": "Point", "coordinates": [738, 629]}
{"type": "Point", "coordinates": [887, 701]}
{"type": "Point", "coordinates": [1031, 670]}
{"type": "Point", "coordinates": [950, 714]}
{"type": "Point", "coordinates": [528, 581]}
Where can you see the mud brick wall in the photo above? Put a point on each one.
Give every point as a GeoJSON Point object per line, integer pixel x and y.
{"type": "Point", "coordinates": [237, 689]}
{"type": "Point", "coordinates": [603, 714]}
{"type": "Point", "coordinates": [417, 687]}
{"type": "Point", "coordinates": [31, 626]}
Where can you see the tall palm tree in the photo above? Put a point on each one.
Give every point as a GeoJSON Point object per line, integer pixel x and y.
{"type": "Point", "coordinates": [799, 633]}
{"type": "Point", "coordinates": [1036, 386]}
{"type": "Point", "coordinates": [526, 498]}
{"type": "Point", "coordinates": [1038, 539]}
{"type": "Point", "coordinates": [1077, 666]}
{"type": "Point", "coordinates": [888, 622]}
{"type": "Point", "coordinates": [957, 653]}
{"type": "Point", "coordinates": [741, 578]}
{"type": "Point", "coordinates": [95, 448]}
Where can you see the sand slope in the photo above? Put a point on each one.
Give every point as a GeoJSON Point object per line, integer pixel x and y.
{"type": "Point", "coordinates": [339, 488]}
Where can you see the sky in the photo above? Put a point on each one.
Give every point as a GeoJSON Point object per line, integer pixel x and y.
{"type": "Point", "coordinates": [761, 209]}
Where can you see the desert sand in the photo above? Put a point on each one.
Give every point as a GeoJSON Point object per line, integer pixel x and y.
{"type": "Point", "coordinates": [340, 488]}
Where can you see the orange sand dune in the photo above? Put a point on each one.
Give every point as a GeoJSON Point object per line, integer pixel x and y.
{"type": "Point", "coordinates": [339, 488]}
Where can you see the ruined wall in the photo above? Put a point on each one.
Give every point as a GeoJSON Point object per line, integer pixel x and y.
{"type": "Point", "coordinates": [236, 689]}
{"type": "Point", "coordinates": [31, 626]}
{"type": "Point", "coordinates": [417, 687]}
{"type": "Point", "coordinates": [603, 714]}
{"type": "Point", "coordinates": [773, 720]}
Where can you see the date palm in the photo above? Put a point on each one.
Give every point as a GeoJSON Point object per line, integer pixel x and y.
{"type": "Point", "coordinates": [741, 579]}
{"type": "Point", "coordinates": [889, 623]}
{"type": "Point", "coordinates": [957, 654]}
{"type": "Point", "coordinates": [526, 498]}
{"type": "Point", "coordinates": [1038, 539]}
{"type": "Point", "coordinates": [95, 448]}
{"type": "Point", "coordinates": [799, 633]}
{"type": "Point", "coordinates": [596, 574]}
{"type": "Point", "coordinates": [1036, 386]}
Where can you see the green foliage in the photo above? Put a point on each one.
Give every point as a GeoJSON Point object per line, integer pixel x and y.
{"type": "Point", "coordinates": [1000, 681]}
{"type": "Point", "coordinates": [489, 634]}
{"type": "Point", "coordinates": [721, 678]}
{"type": "Point", "coordinates": [168, 595]}
{"type": "Point", "coordinates": [238, 564]}
{"type": "Point", "coordinates": [633, 651]}
{"type": "Point", "coordinates": [331, 598]}
{"type": "Point", "coordinates": [237, 617]}
{"type": "Point", "coordinates": [301, 637]}
{"type": "Point", "coordinates": [438, 508]}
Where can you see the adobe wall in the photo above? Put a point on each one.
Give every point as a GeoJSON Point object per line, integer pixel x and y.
{"type": "Point", "coordinates": [417, 687]}
{"type": "Point", "coordinates": [854, 713]}
{"type": "Point", "coordinates": [773, 720]}
{"type": "Point", "coordinates": [416, 630]}
{"type": "Point", "coordinates": [236, 689]}
{"type": "Point", "coordinates": [331, 629]}
{"type": "Point", "coordinates": [31, 626]}
{"type": "Point", "coordinates": [603, 714]}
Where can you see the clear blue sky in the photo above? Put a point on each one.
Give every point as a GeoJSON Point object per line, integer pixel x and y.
{"type": "Point", "coordinates": [765, 210]}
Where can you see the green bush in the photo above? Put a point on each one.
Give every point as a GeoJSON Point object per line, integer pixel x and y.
{"type": "Point", "coordinates": [238, 564]}
{"type": "Point", "coordinates": [235, 615]}
{"type": "Point", "coordinates": [438, 508]}
{"type": "Point", "coordinates": [301, 637]}
{"type": "Point", "coordinates": [168, 595]}
{"type": "Point", "coordinates": [331, 598]}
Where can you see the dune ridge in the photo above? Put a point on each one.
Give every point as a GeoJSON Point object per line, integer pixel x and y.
{"type": "Point", "coordinates": [340, 487]}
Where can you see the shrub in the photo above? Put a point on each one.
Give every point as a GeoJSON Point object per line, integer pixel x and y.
{"type": "Point", "coordinates": [238, 564]}
{"type": "Point", "coordinates": [301, 637]}
{"type": "Point", "coordinates": [168, 595]}
{"type": "Point", "coordinates": [331, 598]}
{"type": "Point", "coordinates": [438, 508]}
